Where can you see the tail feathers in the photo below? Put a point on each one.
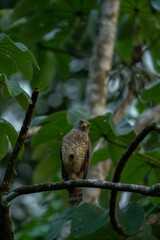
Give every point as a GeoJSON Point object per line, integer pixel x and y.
{"type": "Point", "coordinates": [75, 196]}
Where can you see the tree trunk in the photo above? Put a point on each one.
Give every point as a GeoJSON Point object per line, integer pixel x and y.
{"type": "Point", "coordinates": [102, 57]}
{"type": "Point", "coordinates": [6, 226]}
{"type": "Point", "coordinates": [100, 67]}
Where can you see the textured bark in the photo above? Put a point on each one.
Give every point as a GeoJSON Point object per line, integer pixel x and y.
{"type": "Point", "coordinates": [10, 170]}
{"type": "Point", "coordinates": [98, 81]}
{"type": "Point", "coordinates": [153, 190]}
{"type": "Point", "coordinates": [6, 226]}
{"type": "Point", "coordinates": [102, 57]}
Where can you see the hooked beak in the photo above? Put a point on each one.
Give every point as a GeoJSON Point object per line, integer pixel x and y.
{"type": "Point", "coordinates": [85, 125]}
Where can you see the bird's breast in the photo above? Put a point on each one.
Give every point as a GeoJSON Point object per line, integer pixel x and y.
{"type": "Point", "coordinates": [74, 147]}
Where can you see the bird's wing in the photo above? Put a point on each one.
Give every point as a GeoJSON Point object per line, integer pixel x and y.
{"type": "Point", "coordinates": [63, 171]}
{"type": "Point", "coordinates": [87, 159]}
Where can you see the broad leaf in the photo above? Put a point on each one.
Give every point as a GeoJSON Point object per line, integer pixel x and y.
{"type": "Point", "coordinates": [131, 218]}
{"type": "Point", "coordinates": [136, 169]}
{"type": "Point", "coordinates": [151, 93]}
{"type": "Point", "coordinates": [9, 130]}
{"type": "Point", "coordinates": [23, 9]}
{"type": "Point", "coordinates": [3, 144]}
{"type": "Point", "coordinates": [58, 223]}
{"type": "Point", "coordinates": [100, 155]}
{"type": "Point", "coordinates": [75, 114]}
{"type": "Point", "coordinates": [6, 64]}
{"type": "Point", "coordinates": [115, 152]}
{"type": "Point", "coordinates": [87, 219]}
{"type": "Point", "coordinates": [47, 63]}
{"type": "Point", "coordinates": [54, 130]}
{"type": "Point", "coordinates": [63, 65]}
{"type": "Point", "coordinates": [101, 126]}
{"type": "Point", "coordinates": [13, 89]}
{"type": "Point", "coordinates": [49, 154]}
{"type": "Point", "coordinates": [17, 54]}
{"type": "Point", "coordinates": [146, 234]}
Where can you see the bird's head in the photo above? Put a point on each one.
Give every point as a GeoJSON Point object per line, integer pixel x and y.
{"type": "Point", "coordinates": [82, 125]}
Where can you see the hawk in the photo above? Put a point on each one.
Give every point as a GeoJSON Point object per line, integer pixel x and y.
{"type": "Point", "coordinates": [75, 157]}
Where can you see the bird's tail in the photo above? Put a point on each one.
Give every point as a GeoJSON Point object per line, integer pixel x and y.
{"type": "Point", "coordinates": [75, 196]}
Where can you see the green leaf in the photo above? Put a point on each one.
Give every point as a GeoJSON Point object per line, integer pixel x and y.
{"type": "Point", "coordinates": [117, 144]}
{"type": "Point", "coordinates": [100, 126]}
{"type": "Point", "coordinates": [124, 43]}
{"type": "Point", "coordinates": [63, 65]}
{"type": "Point", "coordinates": [144, 235]}
{"type": "Point", "coordinates": [13, 89]}
{"type": "Point", "coordinates": [55, 129]}
{"type": "Point", "coordinates": [28, 54]}
{"type": "Point", "coordinates": [19, 54]}
{"type": "Point", "coordinates": [37, 26]}
{"type": "Point", "coordinates": [131, 218]}
{"type": "Point", "coordinates": [51, 134]}
{"type": "Point", "coordinates": [6, 64]}
{"type": "Point", "coordinates": [58, 223]}
{"type": "Point", "coordinates": [9, 130]}
{"type": "Point", "coordinates": [45, 76]}
{"type": "Point", "coordinates": [115, 152]}
{"type": "Point", "coordinates": [86, 219]}
{"type": "Point", "coordinates": [24, 100]}
{"type": "Point", "coordinates": [75, 114]}
{"type": "Point", "coordinates": [3, 144]}
{"type": "Point", "coordinates": [151, 93]}
{"type": "Point", "coordinates": [100, 155]}
{"type": "Point", "coordinates": [124, 135]}
{"type": "Point", "coordinates": [23, 9]}
{"type": "Point", "coordinates": [49, 154]}
{"type": "Point", "coordinates": [136, 169]}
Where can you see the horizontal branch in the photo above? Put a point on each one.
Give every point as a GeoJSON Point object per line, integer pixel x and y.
{"type": "Point", "coordinates": [50, 186]}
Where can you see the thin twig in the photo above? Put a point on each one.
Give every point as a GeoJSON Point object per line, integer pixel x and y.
{"type": "Point", "coordinates": [155, 219]}
{"type": "Point", "coordinates": [128, 99]}
{"type": "Point", "coordinates": [155, 162]}
{"type": "Point", "coordinates": [50, 186]}
{"type": "Point", "coordinates": [20, 141]}
{"type": "Point", "coordinates": [121, 164]}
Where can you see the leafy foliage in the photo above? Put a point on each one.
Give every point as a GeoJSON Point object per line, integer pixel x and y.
{"type": "Point", "coordinates": [13, 89]}
{"type": "Point", "coordinates": [8, 133]}
{"type": "Point", "coordinates": [16, 54]}
{"type": "Point", "coordinates": [61, 35]}
{"type": "Point", "coordinates": [137, 215]}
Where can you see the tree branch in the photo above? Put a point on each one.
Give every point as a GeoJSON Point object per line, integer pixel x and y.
{"type": "Point", "coordinates": [121, 164]}
{"type": "Point", "coordinates": [20, 141]}
{"type": "Point", "coordinates": [50, 186]}
{"type": "Point", "coordinates": [155, 219]}
{"type": "Point", "coordinates": [128, 99]}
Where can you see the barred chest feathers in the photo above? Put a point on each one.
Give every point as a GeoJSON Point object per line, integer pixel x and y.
{"type": "Point", "coordinates": [74, 148]}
